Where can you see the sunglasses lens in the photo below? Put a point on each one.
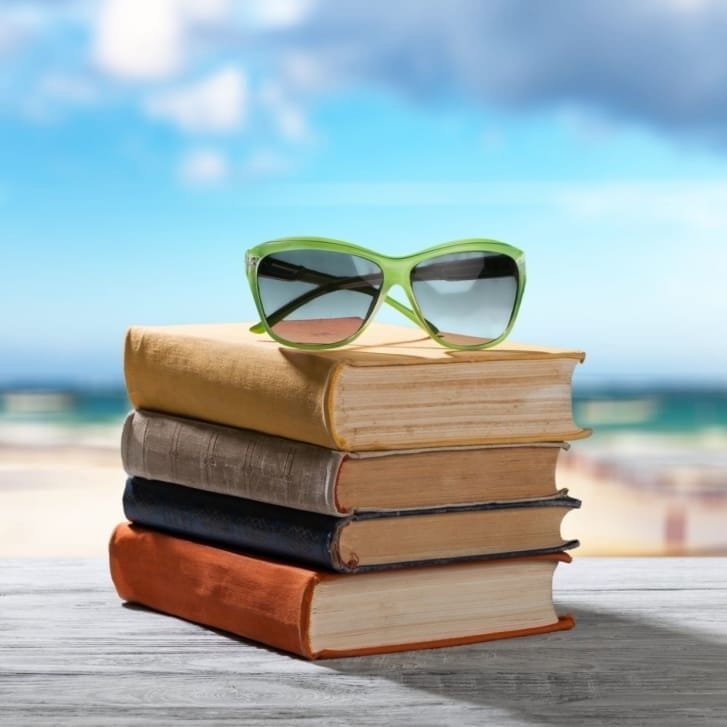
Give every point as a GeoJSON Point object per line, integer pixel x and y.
{"type": "Point", "coordinates": [317, 296]}
{"type": "Point", "coordinates": [467, 298]}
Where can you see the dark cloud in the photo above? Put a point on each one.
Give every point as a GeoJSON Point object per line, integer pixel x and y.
{"type": "Point", "coordinates": [660, 61]}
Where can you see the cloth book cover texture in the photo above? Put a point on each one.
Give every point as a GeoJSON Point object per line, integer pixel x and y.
{"type": "Point", "coordinates": [394, 389]}
{"type": "Point", "coordinates": [303, 536]}
{"type": "Point", "coordinates": [261, 599]}
{"type": "Point", "coordinates": [257, 466]}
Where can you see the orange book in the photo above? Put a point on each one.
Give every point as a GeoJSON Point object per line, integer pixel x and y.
{"type": "Point", "coordinates": [321, 614]}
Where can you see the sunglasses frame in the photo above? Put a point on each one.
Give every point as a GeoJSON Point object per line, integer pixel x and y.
{"type": "Point", "coordinates": [395, 271]}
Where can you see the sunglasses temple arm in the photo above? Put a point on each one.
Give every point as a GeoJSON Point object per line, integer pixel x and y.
{"type": "Point", "coordinates": [407, 312]}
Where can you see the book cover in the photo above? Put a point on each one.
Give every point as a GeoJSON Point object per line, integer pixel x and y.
{"type": "Point", "coordinates": [286, 472]}
{"type": "Point", "coordinates": [393, 389]}
{"type": "Point", "coordinates": [359, 542]}
{"type": "Point", "coordinates": [319, 615]}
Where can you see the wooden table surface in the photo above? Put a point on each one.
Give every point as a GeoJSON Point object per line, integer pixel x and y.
{"type": "Point", "coordinates": [649, 648]}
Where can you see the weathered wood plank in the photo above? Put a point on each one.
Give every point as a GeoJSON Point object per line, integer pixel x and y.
{"type": "Point", "coordinates": [650, 648]}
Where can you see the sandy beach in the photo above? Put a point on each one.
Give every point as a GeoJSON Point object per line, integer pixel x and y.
{"type": "Point", "coordinates": [63, 501]}
{"type": "Point", "coordinates": [59, 501]}
{"type": "Point", "coordinates": [619, 518]}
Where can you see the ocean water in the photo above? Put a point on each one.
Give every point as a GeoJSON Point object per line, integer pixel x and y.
{"type": "Point", "coordinates": [659, 439]}
{"type": "Point", "coordinates": [54, 416]}
{"type": "Point", "coordinates": [658, 410]}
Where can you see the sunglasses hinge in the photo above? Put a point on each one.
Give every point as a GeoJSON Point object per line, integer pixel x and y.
{"type": "Point", "coordinates": [251, 261]}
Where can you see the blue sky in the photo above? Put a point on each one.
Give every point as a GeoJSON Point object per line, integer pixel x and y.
{"type": "Point", "coordinates": [144, 146]}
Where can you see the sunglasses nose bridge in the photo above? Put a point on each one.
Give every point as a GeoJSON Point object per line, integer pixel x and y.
{"type": "Point", "coordinates": [396, 275]}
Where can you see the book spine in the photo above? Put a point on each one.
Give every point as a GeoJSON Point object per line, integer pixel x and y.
{"type": "Point", "coordinates": [253, 598]}
{"type": "Point", "coordinates": [233, 522]}
{"type": "Point", "coordinates": [237, 462]}
{"type": "Point", "coordinates": [257, 387]}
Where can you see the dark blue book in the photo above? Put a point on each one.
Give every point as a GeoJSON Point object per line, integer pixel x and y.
{"type": "Point", "coordinates": [363, 541]}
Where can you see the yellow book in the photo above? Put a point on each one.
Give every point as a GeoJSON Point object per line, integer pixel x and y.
{"type": "Point", "coordinates": [394, 388]}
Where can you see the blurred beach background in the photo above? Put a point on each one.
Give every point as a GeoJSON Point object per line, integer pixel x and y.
{"type": "Point", "coordinates": [145, 145]}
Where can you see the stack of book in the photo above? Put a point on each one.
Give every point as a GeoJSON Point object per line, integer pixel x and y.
{"type": "Point", "coordinates": [384, 496]}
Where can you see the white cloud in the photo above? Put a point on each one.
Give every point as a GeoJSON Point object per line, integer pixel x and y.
{"type": "Point", "coordinates": [690, 6]}
{"type": "Point", "coordinates": [22, 24]}
{"type": "Point", "coordinates": [287, 116]}
{"type": "Point", "coordinates": [204, 11]}
{"type": "Point", "coordinates": [278, 13]}
{"type": "Point", "coordinates": [10, 38]}
{"type": "Point", "coordinates": [203, 167]}
{"type": "Point", "coordinates": [142, 40]}
{"type": "Point", "coordinates": [306, 72]}
{"type": "Point", "coordinates": [432, 51]}
{"type": "Point", "coordinates": [136, 39]}
{"type": "Point", "coordinates": [215, 105]}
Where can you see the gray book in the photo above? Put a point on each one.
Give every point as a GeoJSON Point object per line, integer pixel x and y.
{"type": "Point", "coordinates": [257, 466]}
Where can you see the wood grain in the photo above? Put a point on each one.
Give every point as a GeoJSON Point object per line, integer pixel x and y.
{"type": "Point", "coordinates": [650, 648]}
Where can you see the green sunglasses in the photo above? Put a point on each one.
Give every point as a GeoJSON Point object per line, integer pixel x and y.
{"type": "Point", "coordinates": [314, 293]}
